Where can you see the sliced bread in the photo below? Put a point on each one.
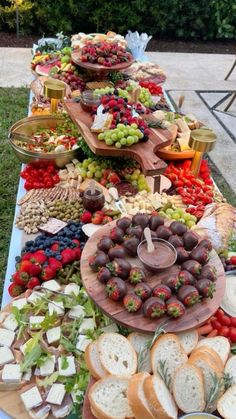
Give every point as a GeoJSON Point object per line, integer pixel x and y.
{"type": "Point", "coordinates": [226, 405]}
{"type": "Point", "coordinates": [108, 398]}
{"type": "Point", "coordinates": [167, 355]}
{"type": "Point", "coordinates": [139, 341]}
{"type": "Point", "coordinates": [220, 344]}
{"type": "Point", "coordinates": [188, 389]}
{"type": "Point", "coordinates": [161, 403]}
{"type": "Point", "coordinates": [211, 353]}
{"type": "Point", "coordinates": [117, 355]}
{"type": "Point", "coordinates": [230, 368]}
{"type": "Point", "coordinates": [188, 340]}
{"type": "Point", "coordinates": [93, 362]}
{"type": "Point", "coordinates": [136, 397]}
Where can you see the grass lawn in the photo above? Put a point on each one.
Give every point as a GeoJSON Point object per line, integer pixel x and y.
{"type": "Point", "coordinates": [13, 106]}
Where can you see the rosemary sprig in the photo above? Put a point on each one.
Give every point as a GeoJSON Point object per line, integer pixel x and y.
{"type": "Point", "coordinates": [163, 372]}
{"type": "Point", "coordinates": [215, 390]}
{"type": "Point", "coordinates": [228, 381]}
{"type": "Point", "coordinates": [144, 352]}
{"type": "Point", "coordinates": [156, 124]}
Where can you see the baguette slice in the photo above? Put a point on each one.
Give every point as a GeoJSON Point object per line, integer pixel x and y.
{"type": "Point", "coordinates": [188, 389]}
{"type": "Point", "coordinates": [230, 368]}
{"type": "Point", "coordinates": [220, 344]}
{"type": "Point", "coordinates": [108, 398]}
{"type": "Point", "coordinates": [138, 341]}
{"type": "Point", "coordinates": [93, 362]}
{"type": "Point", "coordinates": [188, 340]}
{"type": "Point", "coordinates": [211, 354]}
{"type": "Point", "coordinates": [136, 397]}
{"type": "Point", "coordinates": [168, 352]}
{"type": "Point", "coordinates": [117, 355]}
{"type": "Point", "coordinates": [226, 405]}
{"type": "Point", "coordinates": [161, 403]}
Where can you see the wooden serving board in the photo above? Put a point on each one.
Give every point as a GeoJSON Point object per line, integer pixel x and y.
{"type": "Point", "coordinates": [144, 153]}
{"type": "Point", "coordinates": [193, 317]}
{"type": "Point", "coordinates": [75, 56]}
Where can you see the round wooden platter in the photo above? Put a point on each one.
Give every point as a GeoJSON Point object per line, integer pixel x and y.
{"type": "Point", "coordinates": [75, 56]}
{"type": "Point", "coordinates": [193, 317]}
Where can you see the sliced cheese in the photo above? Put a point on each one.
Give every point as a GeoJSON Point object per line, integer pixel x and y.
{"type": "Point", "coordinates": [71, 289]}
{"type": "Point", "coordinates": [6, 337]}
{"type": "Point", "coordinates": [183, 140]}
{"type": "Point", "coordinates": [76, 312]}
{"type": "Point", "coordinates": [56, 394]}
{"type": "Point", "coordinates": [82, 343]}
{"type": "Point", "coordinates": [111, 328]}
{"type": "Point", "coordinates": [35, 322]}
{"type": "Point", "coordinates": [87, 324]}
{"type": "Point", "coordinates": [20, 303]}
{"type": "Point", "coordinates": [31, 398]}
{"type": "Point", "coordinates": [57, 308]}
{"type": "Point", "coordinates": [6, 355]}
{"type": "Point", "coordinates": [10, 322]}
{"type": "Point", "coordinates": [48, 366]}
{"type": "Point", "coordinates": [51, 285]}
{"type": "Point", "coordinates": [53, 335]}
{"type": "Point", "coordinates": [35, 296]}
{"type": "Point", "coordinates": [70, 366]}
{"type": "Point", "coordinates": [11, 373]}
{"type": "Point", "coordinates": [102, 122]}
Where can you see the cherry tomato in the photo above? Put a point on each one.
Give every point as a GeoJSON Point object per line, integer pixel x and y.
{"type": "Point", "coordinates": [216, 324]}
{"type": "Point", "coordinates": [219, 314]}
{"type": "Point", "coordinates": [233, 321]}
{"type": "Point", "coordinates": [224, 331]}
{"type": "Point", "coordinates": [232, 334]}
{"type": "Point", "coordinates": [225, 320]}
{"type": "Point", "coordinates": [233, 260]}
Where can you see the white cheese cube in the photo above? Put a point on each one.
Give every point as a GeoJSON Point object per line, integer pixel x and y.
{"type": "Point", "coordinates": [57, 308]}
{"type": "Point", "coordinates": [76, 312]}
{"type": "Point", "coordinates": [71, 289]}
{"type": "Point", "coordinates": [87, 324]}
{"type": "Point", "coordinates": [35, 296]}
{"type": "Point", "coordinates": [48, 366]}
{"type": "Point", "coordinates": [6, 355]}
{"type": "Point", "coordinates": [35, 322]}
{"type": "Point", "coordinates": [6, 337]}
{"type": "Point", "coordinates": [10, 322]}
{"type": "Point", "coordinates": [82, 343]}
{"type": "Point", "coordinates": [111, 328]}
{"type": "Point", "coordinates": [53, 335]}
{"type": "Point", "coordinates": [70, 369]}
{"type": "Point", "coordinates": [11, 373]}
{"type": "Point", "coordinates": [76, 393]}
{"type": "Point", "coordinates": [51, 285]}
{"type": "Point", "coordinates": [56, 394]}
{"type": "Point", "coordinates": [27, 375]}
{"type": "Point", "coordinates": [20, 303]}
{"type": "Point", "coordinates": [31, 398]}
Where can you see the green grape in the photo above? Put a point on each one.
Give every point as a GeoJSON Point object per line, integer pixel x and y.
{"type": "Point", "coordinates": [169, 211]}
{"type": "Point", "coordinates": [101, 136]}
{"type": "Point", "coordinates": [109, 141]}
{"type": "Point", "coordinates": [114, 137]}
{"type": "Point", "coordinates": [118, 144]}
{"type": "Point", "coordinates": [134, 126]}
{"type": "Point", "coordinates": [130, 140]}
{"type": "Point", "coordinates": [98, 174]}
{"type": "Point", "coordinates": [190, 223]}
{"type": "Point", "coordinates": [134, 177]}
{"type": "Point", "coordinates": [89, 175]}
{"type": "Point", "coordinates": [85, 163]}
{"type": "Point", "coordinates": [83, 173]}
{"type": "Point", "coordinates": [181, 220]}
{"type": "Point", "coordinates": [123, 141]}
{"type": "Point", "coordinates": [176, 216]}
{"type": "Point", "coordinates": [162, 214]}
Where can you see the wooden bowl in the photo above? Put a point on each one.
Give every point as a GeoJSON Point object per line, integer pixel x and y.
{"type": "Point", "coordinates": [175, 155]}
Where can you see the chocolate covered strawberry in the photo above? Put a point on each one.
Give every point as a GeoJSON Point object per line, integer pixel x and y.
{"type": "Point", "coordinates": [200, 254]}
{"type": "Point", "coordinates": [208, 272]}
{"type": "Point", "coordinates": [206, 243]}
{"type": "Point", "coordinates": [98, 260]}
{"type": "Point", "coordinates": [143, 290]}
{"type": "Point", "coordinates": [132, 302]}
{"type": "Point", "coordinates": [119, 267]}
{"type": "Point", "coordinates": [161, 291]}
{"type": "Point", "coordinates": [172, 281]}
{"type": "Point", "coordinates": [103, 275]}
{"type": "Point", "coordinates": [186, 278]}
{"type": "Point", "coordinates": [175, 308]}
{"type": "Point", "coordinates": [189, 295]}
{"type": "Point", "coordinates": [192, 266]}
{"type": "Point", "coordinates": [206, 287]}
{"type": "Point", "coordinates": [154, 307]}
{"type": "Point", "coordinates": [117, 235]}
{"type": "Point", "coordinates": [116, 288]}
{"type": "Point", "coordinates": [117, 251]}
{"type": "Point", "coordinates": [136, 275]}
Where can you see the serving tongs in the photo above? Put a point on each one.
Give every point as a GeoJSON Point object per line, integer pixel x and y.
{"type": "Point", "coordinates": [21, 137]}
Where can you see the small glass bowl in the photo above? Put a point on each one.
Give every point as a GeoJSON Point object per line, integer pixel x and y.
{"type": "Point", "coordinates": [165, 245]}
{"type": "Point", "coordinates": [93, 202]}
{"type": "Point", "coordinates": [199, 415]}
{"type": "Point", "coordinates": [89, 99]}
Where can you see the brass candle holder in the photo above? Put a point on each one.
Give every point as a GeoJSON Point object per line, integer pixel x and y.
{"type": "Point", "coordinates": [55, 90]}
{"type": "Point", "coordinates": [202, 140]}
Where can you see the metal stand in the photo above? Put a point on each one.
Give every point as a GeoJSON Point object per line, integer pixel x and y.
{"type": "Point", "coordinates": [231, 70]}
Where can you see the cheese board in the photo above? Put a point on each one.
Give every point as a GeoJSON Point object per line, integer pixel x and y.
{"type": "Point", "coordinates": [144, 153]}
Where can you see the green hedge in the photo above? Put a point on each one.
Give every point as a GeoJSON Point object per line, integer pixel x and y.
{"type": "Point", "coordinates": [186, 19]}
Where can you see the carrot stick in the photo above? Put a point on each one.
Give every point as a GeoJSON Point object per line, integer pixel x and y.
{"type": "Point", "coordinates": [205, 329]}
{"type": "Point", "coordinates": [213, 333]}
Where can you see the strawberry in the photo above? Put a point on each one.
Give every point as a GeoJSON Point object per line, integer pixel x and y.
{"type": "Point", "coordinates": [76, 241]}
{"type": "Point", "coordinates": [54, 264]}
{"type": "Point", "coordinates": [86, 217]}
{"type": "Point", "coordinates": [136, 275]}
{"type": "Point", "coordinates": [132, 302]}
{"type": "Point", "coordinates": [106, 219]}
{"type": "Point", "coordinates": [26, 256]}
{"type": "Point", "coordinates": [15, 289]}
{"type": "Point", "coordinates": [143, 290]}
{"type": "Point", "coordinates": [68, 256]}
{"type": "Point", "coordinates": [116, 288]}
{"type": "Point", "coordinates": [78, 252]}
{"type": "Point", "coordinates": [97, 218]}
{"type": "Point", "coordinates": [34, 282]}
{"type": "Point", "coordinates": [175, 308]}
{"type": "Point", "coordinates": [113, 178]}
{"type": "Point", "coordinates": [20, 278]}
{"type": "Point", "coordinates": [48, 273]}
{"type": "Point", "coordinates": [55, 246]}
{"type": "Point", "coordinates": [189, 295]}
{"type": "Point", "coordinates": [39, 257]}
{"type": "Point", "coordinates": [161, 291]}
{"type": "Point", "coordinates": [186, 278]}
{"type": "Point", "coordinates": [33, 269]}
{"type": "Point", "coordinates": [154, 307]}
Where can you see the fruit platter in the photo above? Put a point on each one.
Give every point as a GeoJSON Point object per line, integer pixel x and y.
{"type": "Point", "coordinates": [119, 296]}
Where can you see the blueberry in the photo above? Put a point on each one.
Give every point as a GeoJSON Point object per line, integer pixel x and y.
{"type": "Point", "coordinates": [17, 258]}
{"type": "Point", "coordinates": [29, 243]}
{"type": "Point", "coordinates": [58, 257]}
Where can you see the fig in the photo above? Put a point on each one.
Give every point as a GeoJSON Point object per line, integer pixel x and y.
{"type": "Point", "coordinates": [135, 231]}
{"type": "Point", "coordinates": [116, 252]}
{"type": "Point", "coordinates": [182, 255]}
{"type": "Point", "coordinates": [200, 254]}
{"type": "Point", "coordinates": [192, 266]}
{"type": "Point", "coordinates": [123, 223]}
{"type": "Point", "coordinates": [117, 235]}
{"type": "Point", "coordinates": [131, 246]}
{"type": "Point", "coordinates": [188, 295]}
{"type": "Point", "coordinates": [208, 272]}
{"type": "Point", "coordinates": [116, 288]}
{"type": "Point", "coordinates": [98, 260]}
{"type": "Point", "coordinates": [140, 220]}
{"type": "Point", "coordinates": [178, 228]}
{"type": "Point", "coordinates": [136, 275]}
{"type": "Point", "coordinates": [103, 275]}
{"type": "Point", "coordinates": [163, 232]}
{"type": "Point", "coordinates": [155, 221]}
{"type": "Point", "coordinates": [119, 267]}
{"type": "Point", "coordinates": [176, 241]}
{"type": "Point", "coordinates": [206, 287]}
{"type": "Point", "coordinates": [190, 240]}
{"type": "Point", "coordinates": [206, 243]}
{"type": "Point", "coordinates": [105, 244]}
{"type": "Point", "coordinates": [154, 308]}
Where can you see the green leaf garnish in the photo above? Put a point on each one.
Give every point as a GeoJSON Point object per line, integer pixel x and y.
{"type": "Point", "coordinates": [31, 358]}
{"type": "Point", "coordinates": [48, 381]}
{"type": "Point", "coordinates": [64, 362]}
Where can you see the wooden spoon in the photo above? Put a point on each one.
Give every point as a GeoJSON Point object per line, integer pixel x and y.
{"type": "Point", "coordinates": [148, 237]}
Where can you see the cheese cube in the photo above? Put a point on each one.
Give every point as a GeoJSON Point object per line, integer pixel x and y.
{"type": "Point", "coordinates": [82, 343]}
{"type": "Point", "coordinates": [35, 296]}
{"type": "Point", "coordinates": [70, 369]}
{"type": "Point", "coordinates": [87, 324]}
{"type": "Point", "coordinates": [35, 322]}
{"type": "Point", "coordinates": [48, 366]}
{"type": "Point", "coordinates": [6, 355]}
{"type": "Point", "coordinates": [51, 285]}
{"type": "Point", "coordinates": [27, 375]}
{"type": "Point", "coordinates": [111, 328]}
{"type": "Point", "coordinates": [20, 303]}
{"type": "Point", "coordinates": [71, 289]}
{"type": "Point", "coordinates": [11, 373]}
{"type": "Point", "coordinates": [56, 394]}
{"type": "Point", "coordinates": [10, 322]}
{"type": "Point", "coordinates": [57, 308]}
{"type": "Point", "coordinates": [6, 337]}
{"type": "Point", "coordinates": [53, 335]}
{"type": "Point", "coordinates": [76, 312]}
{"type": "Point", "coordinates": [31, 398]}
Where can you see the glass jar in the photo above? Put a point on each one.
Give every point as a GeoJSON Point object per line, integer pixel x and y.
{"type": "Point", "coordinates": [89, 99]}
{"type": "Point", "coordinates": [93, 201]}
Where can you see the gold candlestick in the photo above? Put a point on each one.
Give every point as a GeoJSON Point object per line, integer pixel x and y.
{"type": "Point", "coordinates": [55, 91]}
{"type": "Point", "coordinates": [202, 140]}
